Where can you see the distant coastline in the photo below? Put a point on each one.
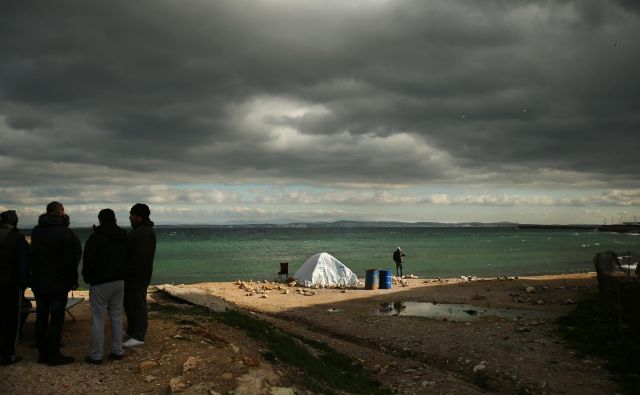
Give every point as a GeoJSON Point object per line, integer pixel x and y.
{"type": "Point", "coordinates": [577, 227]}
{"type": "Point", "coordinates": [619, 228]}
{"type": "Point", "coordinates": [352, 224]}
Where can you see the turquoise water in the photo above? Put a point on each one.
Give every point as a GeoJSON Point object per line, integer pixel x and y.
{"type": "Point", "coordinates": [190, 255]}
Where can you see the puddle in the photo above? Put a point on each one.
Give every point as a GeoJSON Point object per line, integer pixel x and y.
{"type": "Point", "coordinates": [459, 312]}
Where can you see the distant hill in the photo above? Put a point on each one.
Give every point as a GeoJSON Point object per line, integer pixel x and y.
{"type": "Point", "coordinates": [357, 224]}
{"type": "Point", "coordinates": [397, 224]}
{"type": "Point", "coordinates": [570, 226]}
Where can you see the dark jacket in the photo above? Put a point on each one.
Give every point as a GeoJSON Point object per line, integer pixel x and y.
{"type": "Point", "coordinates": [141, 249]}
{"type": "Point", "coordinates": [55, 255]}
{"type": "Point", "coordinates": [397, 256]}
{"type": "Point", "coordinates": [14, 257]}
{"type": "Point", "coordinates": [105, 255]}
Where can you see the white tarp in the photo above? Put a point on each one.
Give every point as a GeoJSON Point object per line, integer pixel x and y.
{"type": "Point", "coordinates": [323, 269]}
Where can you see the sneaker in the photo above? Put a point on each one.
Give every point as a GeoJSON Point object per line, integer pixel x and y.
{"type": "Point", "coordinates": [92, 361]}
{"type": "Point", "coordinates": [60, 360]}
{"type": "Point", "coordinates": [132, 343]}
{"type": "Point", "coordinates": [116, 357]}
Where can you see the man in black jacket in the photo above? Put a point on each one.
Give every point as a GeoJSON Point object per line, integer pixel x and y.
{"type": "Point", "coordinates": [397, 258]}
{"type": "Point", "coordinates": [56, 253]}
{"type": "Point", "coordinates": [14, 253]}
{"type": "Point", "coordinates": [104, 259]}
{"type": "Point", "coordinates": [141, 249]}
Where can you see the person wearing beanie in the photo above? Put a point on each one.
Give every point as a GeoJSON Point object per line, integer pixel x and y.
{"type": "Point", "coordinates": [141, 249]}
{"type": "Point", "coordinates": [14, 255]}
{"type": "Point", "coordinates": [103, 264]}
{"type": "Point", "coordinates": [55, 256]}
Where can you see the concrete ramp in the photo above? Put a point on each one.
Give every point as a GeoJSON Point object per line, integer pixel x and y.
{"type": "Point", "coordinates": [196, 295]}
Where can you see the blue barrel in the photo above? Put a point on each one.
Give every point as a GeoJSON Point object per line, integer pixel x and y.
{"type": "Point", "coordinates": [385, 278]}
{"type": "Point", "coordinates": [371, 279]}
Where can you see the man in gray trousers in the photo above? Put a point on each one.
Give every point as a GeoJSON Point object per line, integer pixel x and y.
{"type": "Point", "coordinates": [105, 255]}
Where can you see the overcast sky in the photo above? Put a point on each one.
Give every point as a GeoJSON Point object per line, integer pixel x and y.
{"type": "Point", "coordinates": [290, 110]}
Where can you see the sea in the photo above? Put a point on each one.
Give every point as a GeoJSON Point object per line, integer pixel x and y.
{"type": "Point", "coordinates": [187, 255]}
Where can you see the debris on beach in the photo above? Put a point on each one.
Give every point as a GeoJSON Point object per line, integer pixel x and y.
{"type": "Point", "coordinates": [468, 278]}
{"type": "Point", "coordinates": [305, 292]}
{"type": "Point", "coordinates": [399, 281]}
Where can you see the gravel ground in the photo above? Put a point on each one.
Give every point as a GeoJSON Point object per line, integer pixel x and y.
{"type": "Point", "coordinates": [410, 355]}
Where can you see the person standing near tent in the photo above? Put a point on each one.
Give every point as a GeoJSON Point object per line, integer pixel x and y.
{"type": "Point", "coordinates": [397, 258]}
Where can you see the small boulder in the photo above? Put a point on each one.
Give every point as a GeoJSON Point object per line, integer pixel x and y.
{"type": "Point", "coordinates": [191, 364]}
{"type": "Point", "coordinates": [176, 384]}
{"type": "Point", "coordinates": [480, 367]}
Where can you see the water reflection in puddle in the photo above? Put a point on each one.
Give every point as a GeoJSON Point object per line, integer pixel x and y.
{"type": "Point", "coordinates": [458, 312]}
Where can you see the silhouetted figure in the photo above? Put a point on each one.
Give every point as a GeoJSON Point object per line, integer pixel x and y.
{"type": "Point", "coordinates": [14, 254]}
{"type": "Point", "coordinates": [103, 264]}
{"type": "Point", "coordinates": [141, 249]}
{"type": "Point", "coordinates": [397, 258]}
{"type": "Point", "coordinates": [56, 253]}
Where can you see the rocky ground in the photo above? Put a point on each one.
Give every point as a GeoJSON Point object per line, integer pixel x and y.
{"type": "Point", "coordinates": [407, 354]}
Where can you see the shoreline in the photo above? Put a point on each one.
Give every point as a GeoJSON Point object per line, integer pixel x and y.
{"type": "Point", "coordinates": [273, 297]}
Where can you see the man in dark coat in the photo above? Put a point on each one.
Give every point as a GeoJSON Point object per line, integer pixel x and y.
{"type": "Point", "coordinates": [103, 264]}
{"type": "Point", "coordinates": [141, 249]}
{"type": "Point", "coordinates": [14, 255]}
{"type": "Point", "coordinates": [397, 258]}
{"type": "Point", "coordinates": [56, 253]}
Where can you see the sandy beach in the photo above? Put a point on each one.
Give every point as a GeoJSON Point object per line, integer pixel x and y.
{"type": "Point", "coordinates": [406, 354]}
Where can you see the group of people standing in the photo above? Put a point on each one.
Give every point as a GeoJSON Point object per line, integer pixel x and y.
{"type": "Point", "coordinates": [117, 266]}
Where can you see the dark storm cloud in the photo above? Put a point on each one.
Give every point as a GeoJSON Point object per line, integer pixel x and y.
{"type": "Point", "coordinates": [379, 92]}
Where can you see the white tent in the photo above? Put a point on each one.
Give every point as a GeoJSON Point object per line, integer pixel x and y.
{"type": "Point", "coordinates": [323, 269]}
